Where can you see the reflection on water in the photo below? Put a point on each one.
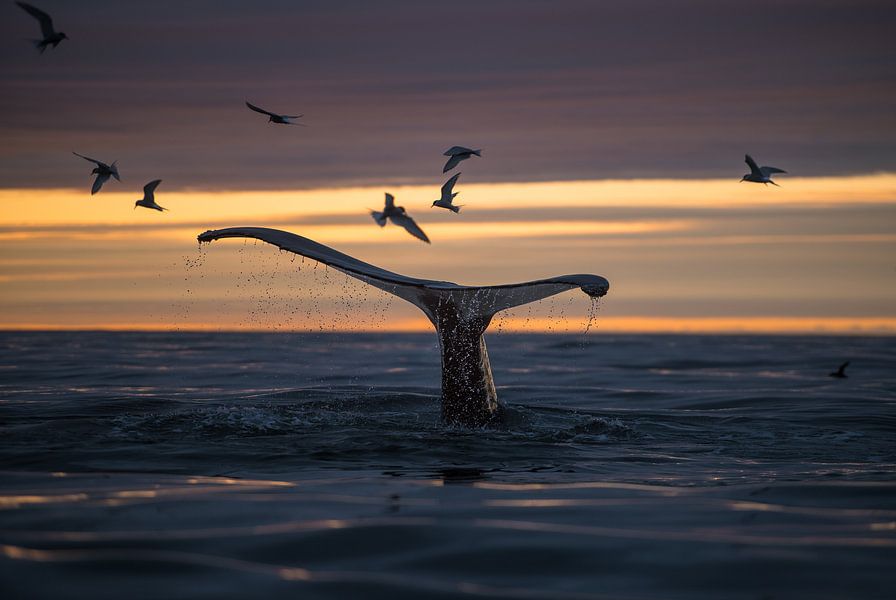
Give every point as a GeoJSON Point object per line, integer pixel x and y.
{"type": "Point", "coordinates": [432, 537]}
{"type": "Point", "coordinates": [284, 465]}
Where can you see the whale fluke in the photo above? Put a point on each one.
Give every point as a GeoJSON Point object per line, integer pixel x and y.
{"type": "Point", "coordinates": [460, 315]}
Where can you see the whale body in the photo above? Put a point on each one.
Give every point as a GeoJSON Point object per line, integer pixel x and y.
{"type": "Point", "coordinates": [459, 313]}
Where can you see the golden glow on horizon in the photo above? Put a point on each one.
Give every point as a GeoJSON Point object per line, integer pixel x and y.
{"type": "Point", "coordinates": [113, 207]}
{"type": "Point", "coordinates": [72, 261]}
{"type": "Point", "coordinates": [348, 233]}
{"type": "Point", "coordinates": [560, 325]}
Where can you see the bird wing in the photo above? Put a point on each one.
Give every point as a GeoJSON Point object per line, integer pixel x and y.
{"type": "Point", "coordinates": [457, 150]}
{"type": "Point", "coordinates": [449, 185]}
{"type": "Point", "coordinates": [390, 201]}
{"type": "Point", "coordinates": [453, 162]}
{"type": "Point", "coordinates": [754, 168]}
{"type": "Point", "coordinates": [294, 116]}
{"type": "Point", "coordinates": [769, 170]}
{"type": "Point", "coordinates": [843, 366]}
{"type": "Point", "coordinates": [379, 217]}
{"type": "Point", "coordinates": [46, 22]}
{"type": "Point", "coordinates": [149, 188]}
{"type": "Point", "coordinates": [93, 160]}
{"type": "Point", "coordinates": [403, 220]}
{"type": "Point", "coordinates": [98, 183]}
{"type": "Point", "coordinates": [261, 110]}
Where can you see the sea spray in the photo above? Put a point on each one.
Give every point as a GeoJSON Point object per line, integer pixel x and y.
{"type": "Point", "coordinates": [461, 314]}
{"type": "Point", "coordinates": [192, 269]}
{"type": "Point", "coordinates": [593, 310]}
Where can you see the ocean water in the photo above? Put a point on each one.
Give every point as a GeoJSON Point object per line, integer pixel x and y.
{"type": "Point", "coordinates": [213, 465]}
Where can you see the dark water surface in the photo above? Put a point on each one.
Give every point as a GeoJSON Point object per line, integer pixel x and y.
{"type": "Point", "coordinates": [217, 465]}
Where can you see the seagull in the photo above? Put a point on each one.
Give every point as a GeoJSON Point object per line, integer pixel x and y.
{"type": "Point", "coordinates": [759, 174]}
{"type": "Point", "coordinates": [448, 196]}
{"type": "Point", "coordinates": [149, 200]}
{"type": "Point", "coordinates": [275, 118]}
{"type": "Point", "coordinates": [51, 36]}
{"type": "Point", "coordinates": [457, 154]}
{"type": "Point", "coordinates": [840, 373]}
{"type": "Point", "coordinates": [398, 216]}
{"type": "Point", "coordinates": [102, 171]}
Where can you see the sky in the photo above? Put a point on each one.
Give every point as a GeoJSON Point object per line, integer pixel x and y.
{"type": "Point", "coordinates": [613, 136]}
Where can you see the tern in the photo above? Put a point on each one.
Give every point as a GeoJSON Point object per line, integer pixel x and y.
{"type": "Point", "coordinates": [840, 373]}
{"type": "Point", "coordinates": [274, 117]}
{"type": "Point", "coordinates": [399, 216]}
{"type": "Point", "coordinates": [759, 174]}
{"type": "Point", "coordinates": [149, 199]}
{"type": "Point", "coordinates": [51, 36]}
{"type": "Point", "coordinates": [457, 154]}
{"type": "Point", "coordinates": [448, 196]}
{"type": "Point", "coordinates": [102, 171]}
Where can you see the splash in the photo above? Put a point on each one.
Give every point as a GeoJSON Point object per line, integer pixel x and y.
{"type": "Point", "coordinates": [460, 315]}
{"type": "Point", "coordinates": [593, 311]}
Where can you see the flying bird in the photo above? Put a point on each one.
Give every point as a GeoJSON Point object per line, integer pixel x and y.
{"type": "Point", "coordinates": [149, 199]}
{"type": "Point", "coordinates": [448, 196]}
{"type": "Point", "coordinates": [398, 216]}
{"type": "Point", "coordinates": [840, 373]}
{"type": "Point", "coordinates": [759, 174]}
{"type": "Point", "coordinates": [102, 171]}
{"type": "Point", "coordinates": [274, 117]}
{"type": "Point", "coordinates": [51, 36]}
{"type": "Point", "coordinates": [457, 154]}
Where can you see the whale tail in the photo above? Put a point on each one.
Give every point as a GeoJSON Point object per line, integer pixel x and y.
{"type": "Point", "coordinates": [460, 314]}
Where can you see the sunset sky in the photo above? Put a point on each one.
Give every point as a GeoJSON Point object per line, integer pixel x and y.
{"type": "Point", "coordinates": [613, 137]}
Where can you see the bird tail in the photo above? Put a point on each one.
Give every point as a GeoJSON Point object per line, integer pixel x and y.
{"type": "Point", "coordinates": [379, 217]}
{"type": "Point", "coordinates": [39, 44]}
{"type": "Point", "coordinates": [115, 170]}
{"type": "Point", "coordinates": [456, 207]}
{"type": "Point", "coordinates": [478, 152]}
{"type": "Point", "coordinates": [773, 183]}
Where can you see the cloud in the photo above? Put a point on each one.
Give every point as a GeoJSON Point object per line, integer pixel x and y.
{"type": "Point", "coordinates": [571, 90]}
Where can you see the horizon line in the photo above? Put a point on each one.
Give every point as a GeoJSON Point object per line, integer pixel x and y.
{"type": "Point", "coordinates": [759, 326]}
